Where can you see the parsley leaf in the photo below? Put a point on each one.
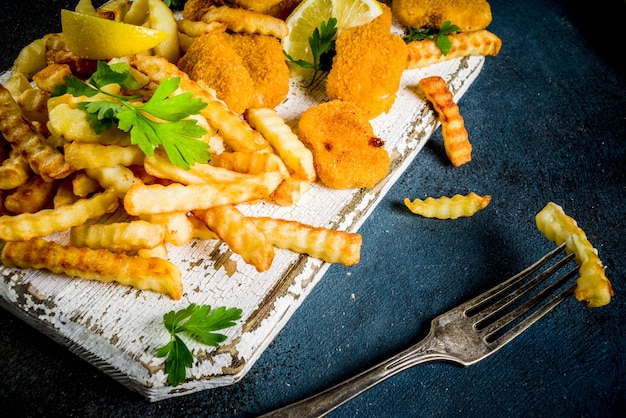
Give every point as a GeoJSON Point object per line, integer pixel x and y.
{"type": "Point", "coordinates": [322, 44]}
{"type": "Point", "coordinates": [160, 121]}
{"type": "Point", "coordinates": [442, 40]}
{"type": "Point", "coordinates": [175, 4]}
{"type": "Point", "coordinates": [198, 322]}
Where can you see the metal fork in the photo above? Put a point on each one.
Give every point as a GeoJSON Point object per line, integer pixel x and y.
{"type": "Point", "coordinates": [465, 334]}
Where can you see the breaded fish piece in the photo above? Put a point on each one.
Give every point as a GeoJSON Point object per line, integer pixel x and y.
{"type": "Point", "coordinates": [466, 14]}
{"type": "Point", "coordinates": [346, 153]}
{"type": "Point", "coordinates": [263, 57]}
{"type": "Point", "coordinates": [212, 59]}
{"type": "Point", "coordinates": [368, 66]}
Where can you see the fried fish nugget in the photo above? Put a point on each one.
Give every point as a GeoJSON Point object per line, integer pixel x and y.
{"type": "Point", "coordinates": [593, 288]}
{"type": "Point", "coordinates": [455, 136]}
{"type": "Point", "coordinates": [446, 207]}
{"type": "Point", "coordinates": [464, 44]}
{"type": "Point", "coordinates": [466, 14]}
{"type": "Point", "coordinates": [241, 20]}
{"type": "Point", "coordinates": [368, 66]}
{"type": "Point", "coordinates": [240, 234]}
{"type": "Point", "coordinates": [142, 273]}
{"type": "Point", "coordinates": [14, 171]}
{"type": "Point", "coordinates": [296, 156]}
{"type": "Point", "coordinates": [346, 153]}
{"type": "Point", "coordinates": [150, 199]}
{"type": "Point", "coordinates": [118, 236]}
{"type": "Point", "coordinates": [34, 195]}
{"type": "Point", "coordinates": [44, 222]}
{"type": "Point", "coordinates": [326, 244]}
{"type": "Point", "coordinates": [43, 158]}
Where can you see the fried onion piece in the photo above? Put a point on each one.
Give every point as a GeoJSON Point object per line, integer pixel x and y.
{"type": "Point", "coordinates": [44, 222]}
{"type": "Point", "coordinates": [43, 158]}
{"type": "Point", "coordinates": [241, 20]}
{"type": "Point", "coordinates": [142, 273]}
{"type": "Point", "coordinates": [240, 233]}
{"type": "Point", "coordinates": [593, 288]}
{"type": "Point", "coordinates": [118, 236]}
{"type": "Point", "coordinates": [446, 207]}
{"type": "Point", "coordinates": [455, 137]}
{"type": "Point", "coordinates": [326, 244]}
{"type": "Point", "coordinates": [150, 199]}
{"type": "Point", "coordinates": [464, 44]}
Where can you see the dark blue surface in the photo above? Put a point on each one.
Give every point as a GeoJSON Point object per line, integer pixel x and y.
{"type": "Point", "coordinates": [547, 119]}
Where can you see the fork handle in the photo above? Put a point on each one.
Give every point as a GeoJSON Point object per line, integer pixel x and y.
{"type": "Point", "coordinates": [321, 403]}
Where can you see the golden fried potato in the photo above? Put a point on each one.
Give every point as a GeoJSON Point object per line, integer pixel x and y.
{"type": "Point", "coordinates": [593, 288]}
{"type": "Point", "coordinates": [346, 153]}
{"type": "Point", "coordinates": [368, 66]}
{"type": "Point", "coordinates": [250, 162]}
{"type": "Point", "coordinates": [118, 236]}
{"type": "Point", "coordinates": [446, 207]}
{"type": "Point", "coordinates": [239, 20]}
{"type": "Point", "coordinates": [51, 76]}
{"type": "Point", "coordinates": [464, 44]}
{"type": "Point", "coordinates": [323, 243]}
{"type": "Point", "coordinates": [142, 273]}
{"type": "Point", "coordinates": [455, 136]}
{"type": "Point", "coordinates": [177, 227]}
{"type": "Point", "coordinates": [14, 171]}
{"type": "Point", "coordinates": [240, 234]}
{"type": "Point", "coordinates": [35, 194]}
{"type": "Point", "coordinates": [466, 14]}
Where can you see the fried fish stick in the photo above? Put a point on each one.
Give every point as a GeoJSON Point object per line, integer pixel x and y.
{"type": "Point", "coordinates": [464, 44]}
{"type": "Point", "coordinates": [240, 233]}
{"type": "Point", "coordinates": [155, 198]}
{"type": "Point", "coordinates": [43, 158]}
{"type": "Point", "coordinates": [326, 244]}
{"type": "Point", "coordinates": [44, 222]}
{"type": "Point", "coordinates": [142, 273]}
{"type": "Point", "coordinates": [455, 136]}
{"type": "Point", "coordinates": [246, 21]}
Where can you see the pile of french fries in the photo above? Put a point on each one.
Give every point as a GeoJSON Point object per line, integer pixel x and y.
{"type": "Point", "coordinates": [59, 176]}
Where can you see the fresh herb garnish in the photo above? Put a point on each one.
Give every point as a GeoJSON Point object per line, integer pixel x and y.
{"type": "Point", "coordinates": [440, 36]}
{"type": "Point", "coordinates": [162, 120]}
{"type": "Point", "coordinates": [322, 43]}
{"type": "Point", "coordinates": [198, 322]}
{"type": "Point", "coordinates": [175, 4]}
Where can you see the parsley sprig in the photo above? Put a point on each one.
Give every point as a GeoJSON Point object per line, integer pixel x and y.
{"type": "Point", "coordinates": [198, 322]}
{"type": "Point", "coordinates": [322, 44]}
{"type": "Point", "coordinates": [175, 4]}
{"type": "Point", "coordinates": [161, 120]}
{"type": "Point", "coordinates": [440, 36]}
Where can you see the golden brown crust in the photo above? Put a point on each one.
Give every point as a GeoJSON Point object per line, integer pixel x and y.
{"type": "Point", "coordinates": [466, 14]}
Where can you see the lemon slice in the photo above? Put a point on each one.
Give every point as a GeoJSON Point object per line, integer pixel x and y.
{"type": "Point", "coordinates": [92, 37]}
{"type": "Point", "coordinates": [311, 13]}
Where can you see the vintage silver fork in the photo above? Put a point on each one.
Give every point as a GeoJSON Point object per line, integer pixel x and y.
{"type": "Point", "coordinates": [465, 335]}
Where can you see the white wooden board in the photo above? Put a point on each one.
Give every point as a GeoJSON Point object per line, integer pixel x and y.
{"type": "Point", "coordinates": [118, 328]}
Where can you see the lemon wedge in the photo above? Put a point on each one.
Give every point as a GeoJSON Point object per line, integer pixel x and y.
{"type": "Point", "coordinates": [311, 13]}
{"type": "Point", "coordinates": [92, 37]}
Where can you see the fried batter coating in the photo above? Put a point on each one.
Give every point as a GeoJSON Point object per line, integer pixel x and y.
{"type": "Point", "coordinates": [346, 153]}
{"type": "Point", "coordinates": [466, 14]}
{"type": "Point", "coordinates": [368, 66]}
{"type": "Point", "coordinates": [212, 59]}
{"type": "Point", "coordinates": [245, 70]}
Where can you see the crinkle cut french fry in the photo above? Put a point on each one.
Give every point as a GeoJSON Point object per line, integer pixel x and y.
{"type": "Point", "coordinates": [480, 42]}
{"type": "Point", "coordinates": [44, 159]}
{"type": "Point", "coordinates": [593, 288]}
{"type": "Point", "coordinates": [290, 191]}
{"type": "Point", "coordinates": [142, 273]}
{"type": "Point", "coordinates": [177, 227]}
{"type": "Point", "coordinates": [118, 236]}
{"type": "Point", "coordinates": [240, 233]}
{"type": "Point", "coordinates": [113, 10]}
{"type": "Point", "coordinates": [150, 199]}
{"type": "Point", "coordinates": [83, 185]}
{"type": "Point", "coordinates": [35, 194]}
{"type": "Point", "coordinates": [235, 132]}
{"type": "Point", "coordinates": [296, 155]}
{"type": "Point", "coordinates": [82, 155]}
{"type": "Point", "coordinates": [14, 171]}
{"type": "Point", "coordinates": [44, 222]}
{"type": "Point", "coordinates": [326, 244]}
{"type": "Point", "coordinates": [120, 178]}
{"type": "Point", "coordinates": [240, 20]}
{"type": "Point", "coordinates": [65, 194]}
{"type": "Point", "coordinates": [197, 28]}
{"type": "Point", "coordinates": [201, 230]}
{"type": "Point", "coordinates": [455, 137]}
{"type": "Point", "coordinates": [446, 207]}
{"type": "Point", "coordinates": [160, 17]}
{"type": "Point", "coordinates": [250, 162]}
{"type": "Point", "coordinates": [51, 76]}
